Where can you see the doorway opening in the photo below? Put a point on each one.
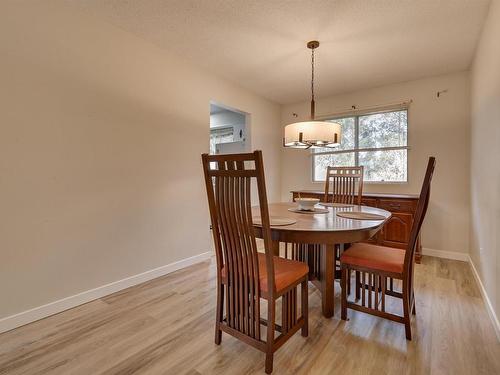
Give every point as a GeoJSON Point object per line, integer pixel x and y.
{"type": "Point", "coordinates": [229, 130]}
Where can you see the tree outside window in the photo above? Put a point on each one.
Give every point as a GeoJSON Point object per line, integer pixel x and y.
{"type": "Point", "coordinates": [377, 141]}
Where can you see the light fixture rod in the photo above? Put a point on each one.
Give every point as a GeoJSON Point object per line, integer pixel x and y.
{"type": "Point", "coordinates": [312, 133]}
{"type": "Point", "coordinates": [312, 45]}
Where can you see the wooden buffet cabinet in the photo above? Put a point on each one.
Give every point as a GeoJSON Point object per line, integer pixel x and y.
{"type": "Point", "coordinates": [396, 232]}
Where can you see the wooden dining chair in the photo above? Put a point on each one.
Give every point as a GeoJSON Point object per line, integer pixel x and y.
{"type": "Point", "coordinates": [244, 276]}
{"type": "Point", "coordinates": [378, 263]}
{"type": "Point", "coordinates": [345, 184]}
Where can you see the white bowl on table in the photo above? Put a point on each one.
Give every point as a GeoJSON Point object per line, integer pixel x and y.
{"type": "Point", "coordinates": [307, 204]}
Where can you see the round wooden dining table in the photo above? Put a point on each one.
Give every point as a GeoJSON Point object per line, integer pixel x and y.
{"type": "Point", "coordinates": [324, 230]}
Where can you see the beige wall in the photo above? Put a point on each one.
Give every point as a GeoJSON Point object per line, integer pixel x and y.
{"type": "Point", "coordinates": [100, 142]}
{"type": "Point", "coordinates": [437, 126]}
{"type": "Point", "coordinates": [485, 158]}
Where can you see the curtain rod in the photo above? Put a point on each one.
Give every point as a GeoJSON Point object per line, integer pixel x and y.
{"type": "Point", "coordinates": [375, 108]}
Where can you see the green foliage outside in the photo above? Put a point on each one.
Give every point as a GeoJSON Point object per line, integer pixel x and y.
{"type": "Point", "coordinates": [375, 131]}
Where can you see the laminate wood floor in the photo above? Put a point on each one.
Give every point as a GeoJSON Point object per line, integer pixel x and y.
{"type": "Point", "coordinates": [166, 326]}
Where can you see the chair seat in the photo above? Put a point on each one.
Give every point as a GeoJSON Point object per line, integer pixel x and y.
{"type": "Point", "coordinates": [379, 258]}
{"type": "Point", "coordinates": [286, 273]}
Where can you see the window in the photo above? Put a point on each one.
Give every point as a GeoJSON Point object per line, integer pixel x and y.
{"type": "Point", "coordinates": [377, 141]}
{"type": "Point", "coordinates": [220, 135]}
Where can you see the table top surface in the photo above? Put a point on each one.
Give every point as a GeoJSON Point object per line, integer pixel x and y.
{"type": "Point", "coordinates": [323, 222]}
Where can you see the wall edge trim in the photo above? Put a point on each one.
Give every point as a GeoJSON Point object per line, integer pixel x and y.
{"type": "Point", "coordinates": [464, 257]}
{"type": "Point", "coordinates": [487, 302]}
{"type": "Point", "coordinates": [25, 317]}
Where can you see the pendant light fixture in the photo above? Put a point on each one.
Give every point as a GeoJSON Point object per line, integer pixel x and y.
{"type": "Point", "coordinates": [312, 133]}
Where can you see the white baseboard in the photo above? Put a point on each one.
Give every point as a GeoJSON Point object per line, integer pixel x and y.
{"type": "Point", "coordinates": [486, 299]}
{"type": "Point", "coordinates": [37, 313]}
{"type": "Point", "coordinates": [464, 257]}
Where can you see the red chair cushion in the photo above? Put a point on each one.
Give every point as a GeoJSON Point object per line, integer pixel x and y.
{"type": "Point", "coordinates": [286, 272]}
{"type": "Point", "coordinates": [375, 257]}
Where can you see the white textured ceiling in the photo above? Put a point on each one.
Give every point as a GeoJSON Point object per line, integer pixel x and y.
{"type": "Point", "coordinates": [260, 44]}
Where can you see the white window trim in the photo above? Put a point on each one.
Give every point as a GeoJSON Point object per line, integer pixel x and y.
{"type": "Point", "coordinates": [356, 150]}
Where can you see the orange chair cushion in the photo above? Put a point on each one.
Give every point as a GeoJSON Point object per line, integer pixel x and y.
{"type": "Point", "coordinates": [286, 272]}
{"type": "Point", "coordinates": [379, 258]}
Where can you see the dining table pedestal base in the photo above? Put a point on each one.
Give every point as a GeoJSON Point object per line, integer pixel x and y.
{"type": "Point", "coordinates": [322, 271]}
{"type": "Point", "coordinates": [327, 280]}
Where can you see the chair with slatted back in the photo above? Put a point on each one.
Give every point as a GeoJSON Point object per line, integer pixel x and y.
{"type": "Point", "coordinates": [244, 276]}
{"type": "Point", "coordinates": [378, 263]}
{"type": "Point", "coordinates": [345, 184]}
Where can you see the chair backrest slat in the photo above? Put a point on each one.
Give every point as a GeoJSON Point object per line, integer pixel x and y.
{"type": "Point", "coordinates": [345, 184]}
{"type": "Point", "coordinates": [229, 197]}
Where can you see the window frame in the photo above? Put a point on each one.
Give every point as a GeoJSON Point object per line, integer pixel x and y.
{"type": "Point", "coordinates": [356, 150]}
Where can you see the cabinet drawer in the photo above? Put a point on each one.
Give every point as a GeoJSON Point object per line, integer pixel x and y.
{"type": "Point", "coordinates": [371, 202]}
{"type": "Point", "coordinates": [395, 205]}
{"type": "Point", "coordinates": [396, 230]}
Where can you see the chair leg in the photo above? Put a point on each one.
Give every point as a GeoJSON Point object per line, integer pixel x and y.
{"type": "Point", "coordinates": [271, 322]}
{"type": "Point", "coordinates": [408, 329]}
{"type": "Point", "coordinates": [358, 285]}
{"type": "Point", "coordinates": [269, 362]}
{"type": "Point", "coordinates": [406, 311]}
{"type": "Point", "coordinates": [304, 296]}
{"type": "Point", "coordinates": [348, 282]}
{"type": "Point", "coordinates": [343, 312]}
{"type": "Point", "coordinates": [414, 309]}
{"type": "Point", "coordinates": [219, 313]}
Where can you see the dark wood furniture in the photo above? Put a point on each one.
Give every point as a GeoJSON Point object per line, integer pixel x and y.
{"type": "Point", "coordinates": [344, 185]}
{"type": "Point", "coordinates": [244, 276]}
{"type": "Point", "coordinates": [320, 233]}
{"type": "Point", "coordinates": [376, 264]}
{"type": "Point", "coordinates": [396, 232]}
